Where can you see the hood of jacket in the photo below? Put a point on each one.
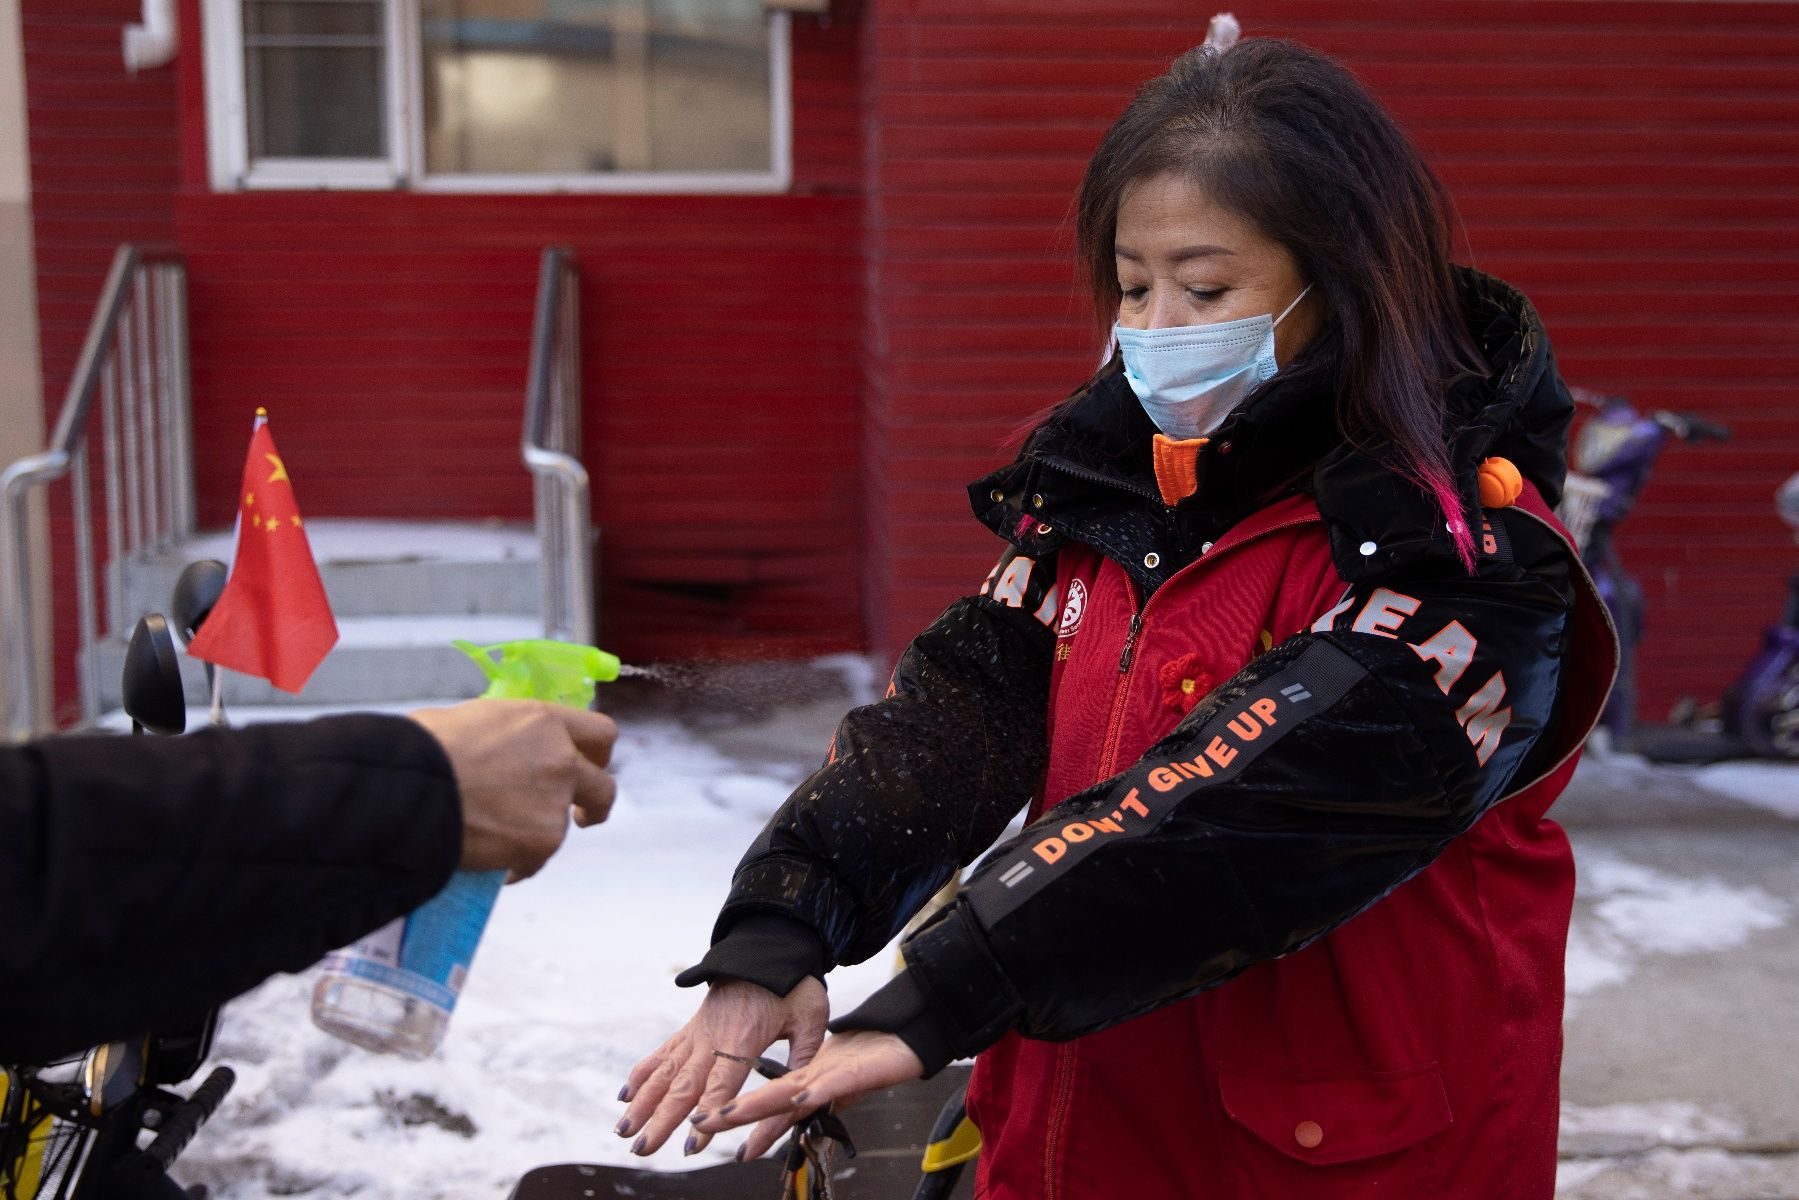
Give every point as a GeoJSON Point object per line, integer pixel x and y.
{"type": "Point", "coordinates": [1086, 472]}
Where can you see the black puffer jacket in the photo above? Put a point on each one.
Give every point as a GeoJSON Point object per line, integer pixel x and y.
{"type": "Point", "coordinates": [146, 880]}
{"type": "Point", "coordinates": [923, 781]}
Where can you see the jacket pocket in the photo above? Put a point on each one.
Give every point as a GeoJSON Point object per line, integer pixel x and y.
{"type": "Point", "coordinates": [1335, 1134]}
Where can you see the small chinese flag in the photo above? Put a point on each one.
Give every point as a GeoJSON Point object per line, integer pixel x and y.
{"type": "Point", "coordinates": [273, 619]}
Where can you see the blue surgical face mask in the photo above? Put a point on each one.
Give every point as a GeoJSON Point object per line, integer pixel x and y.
{"type": "Point", "coordinates": [1189, 378]}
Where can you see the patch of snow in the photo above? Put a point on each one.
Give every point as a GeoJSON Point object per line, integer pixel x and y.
{"type": "Point", "coordinates": [573, 984]}
{"type": "Point", "coordinates": [1771, 785]}
{"type": "Point", "coordinates": [347, 540]}
{"type": "Point", "coordinates": [1666, 914]}
{"type": "Point", "coordinates": [1663, 1123]}
{"type": "Point", "coordinates": [1629, 910]}
{"type": "Point", "coordinates": [1664, 1174]}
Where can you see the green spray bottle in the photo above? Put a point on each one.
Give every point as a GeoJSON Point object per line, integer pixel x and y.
{"type": "Point", "coordinates": [394, 990]}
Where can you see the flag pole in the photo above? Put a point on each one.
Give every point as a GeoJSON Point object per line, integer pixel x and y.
{"type": "Point", "coordinates": [216, 716]}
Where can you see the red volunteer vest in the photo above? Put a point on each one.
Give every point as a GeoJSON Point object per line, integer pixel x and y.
{"type": "Point", "coordinates": [1414, 1053]}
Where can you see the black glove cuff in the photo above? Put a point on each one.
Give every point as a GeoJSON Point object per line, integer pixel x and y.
{"type": "Point", "coordinates": [773, 951]}
{"type": "Point", "coordinates": [951, 1001]}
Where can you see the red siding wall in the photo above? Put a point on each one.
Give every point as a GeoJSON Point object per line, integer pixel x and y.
{"type": "Point", "coordinates": [1634, 167]}
{"type": "Point", "coordinates": [103, 171]}
{"type": "Point", "coordinates": [387, 333]}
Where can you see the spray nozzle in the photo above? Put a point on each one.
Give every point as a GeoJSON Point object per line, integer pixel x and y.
{"type": "Point", "coordinates": [542, 669]}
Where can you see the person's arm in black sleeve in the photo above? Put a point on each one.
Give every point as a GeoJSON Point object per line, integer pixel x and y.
{"type": "Point", "coordinates": [918, 785]}
{"type": "Point", "coordinates": [1326, 773]}
{"type": "Point", "coordinates": [145, 880]}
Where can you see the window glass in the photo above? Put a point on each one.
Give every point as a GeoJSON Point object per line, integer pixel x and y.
{"type": "Point", "coordinates": [315, 78]}
{"type": "Point", "coordinates": [568, 87]}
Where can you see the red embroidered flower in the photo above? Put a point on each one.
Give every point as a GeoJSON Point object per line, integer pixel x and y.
{"type": "Point", "coordinates": [1184, 682]}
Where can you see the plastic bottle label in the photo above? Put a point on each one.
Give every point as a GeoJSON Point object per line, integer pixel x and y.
{"type": "Point", "coordinates": [427, 953]}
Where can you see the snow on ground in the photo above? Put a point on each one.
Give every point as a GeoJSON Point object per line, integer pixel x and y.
{"type": "Point", "coordinates": [1772, 785]}
{"type": "Point", "coordinates": [1630, 910]}
{"type": "Point", "coordinates": [572, 985]}
{"type": "Point", "coordinates": [346, 540]}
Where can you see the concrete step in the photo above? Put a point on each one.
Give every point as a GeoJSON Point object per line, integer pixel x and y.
{"type": "Point", "coordinates": [378, 568]}
{"type": "Point", "coordinates": [377, 660]}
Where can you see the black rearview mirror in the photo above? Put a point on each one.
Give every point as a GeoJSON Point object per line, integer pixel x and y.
{"type": "Point", "coordinates": [154, 698]}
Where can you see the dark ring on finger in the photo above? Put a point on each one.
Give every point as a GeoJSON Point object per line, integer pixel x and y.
{"type": "Point", "coordinates": [736, 1058]}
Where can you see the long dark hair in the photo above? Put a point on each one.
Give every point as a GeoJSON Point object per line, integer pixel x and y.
{"type": "Point", "coordinates": [1288, 139]}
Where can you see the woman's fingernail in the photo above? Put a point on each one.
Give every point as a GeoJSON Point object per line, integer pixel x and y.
{"type": "Point", "coordinates": [623, 1128]}
{"type": "Point", "coordinates": [741, 1151]}
{"type": "Point", "coordinates": [726, 1110]}
{"type": "Point", "coordinates": [699, 1116]}
{"type": "Point", "coordinates": [800, 1099]}
{"type": "Point", "coordinates": [639, 1146]}
{"type": "Point", "coordinates": [624, 1093]}
{"type": "Point", "coordinates": [693, 1144]}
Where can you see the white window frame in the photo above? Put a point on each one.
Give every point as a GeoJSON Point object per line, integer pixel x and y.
{"type": "Point", "coordinates": [228, 133]}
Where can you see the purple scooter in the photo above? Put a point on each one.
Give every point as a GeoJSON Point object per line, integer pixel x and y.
{"type": "Point", "coordinates": [1759, 714]}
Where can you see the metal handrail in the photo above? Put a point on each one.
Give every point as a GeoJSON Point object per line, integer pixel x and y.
{"type": "Point", "coordinates": [134, 361]}
{"type": "Point", "coordinates": [552, 451]}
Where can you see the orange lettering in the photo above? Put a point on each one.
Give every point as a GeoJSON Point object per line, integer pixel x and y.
{"type": "Point", "coordinates": [1264, 708]}
{"type": "Point", "coordinates": [1246, 727]}
{"type": "Point", "coordinates": [1077, 831]}
{"type": "Point", "coordinates": [1131, 804]}
{"type": "Point", "coordinates": [1108, 825]}
{"type": "Point", "coordinates": [1220, 753]}
{"type": "Point", "coordinates": [1163, 779]}
{"type": "Point", "coordinates": [1050, 849]}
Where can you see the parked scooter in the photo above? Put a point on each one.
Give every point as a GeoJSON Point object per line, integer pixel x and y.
{"type": "Point", "coordinates": [1759, 713]}
{"type": "Point", "coordinates": [1613, 456]}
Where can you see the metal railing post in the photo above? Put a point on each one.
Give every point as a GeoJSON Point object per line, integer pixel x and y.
{"type": "Point", "coordinates": [551, 449]}
{"type": "Point", "coordinates": [134, 359]}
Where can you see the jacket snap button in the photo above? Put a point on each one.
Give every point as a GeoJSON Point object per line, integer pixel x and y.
{"type": "Point", "coordinates": [1368, 548]}
{"type": "Point", "coordinates": [1308, 1134]}
{"type": "Point", "coordinates": [1152, 560]}
{"type": "Point", "coordinates": [996, 495]}
{"type": "Point", "coordinates": [1043, 529]}
{"type": "Point", "coordinates": [1037, 500]}
{"type": "Point", "coordinates": [1206, 549]}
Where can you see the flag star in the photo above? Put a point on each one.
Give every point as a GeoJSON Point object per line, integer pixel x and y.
{"type": "Point", "coordinates": [255, 521]}
{"type": "Point", "coordinates": [296, 520]}
{"type": "Point", "coordinates": [272, 525]}
{"type": "Point", "coordinates": [249, 499]}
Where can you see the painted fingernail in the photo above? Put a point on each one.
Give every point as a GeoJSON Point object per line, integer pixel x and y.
{"type": "Point", "coordinates": [640, 1146]}
{"type": "Point", "coordinates": [693, 1144]}
{"type": "Point", "coordinates": [726, 1110]}
{"type": "Point", "coordinates": [800, 1098]}
{"type": "Point", "coordinates": [624, 1093]}
{"type": "Point", "coordinates": [741, 1151]}
{"type": "Point", "coordinates": [623, 1128]}
{"type": "Point", "coordinates": [699, 1116]}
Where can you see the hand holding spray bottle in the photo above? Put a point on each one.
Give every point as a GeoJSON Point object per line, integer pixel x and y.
{"type": "Point", "coordinates": [394, 990]}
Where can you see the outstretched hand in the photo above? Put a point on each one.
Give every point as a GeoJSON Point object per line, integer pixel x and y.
{"type": "Point", "coordinates": [703, 1066]}
{"type": "Point", "coordinates": [850, 1065]}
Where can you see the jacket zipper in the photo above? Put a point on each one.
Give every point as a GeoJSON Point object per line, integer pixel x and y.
{"type": "Point", "coordinates": [1062, 1094]}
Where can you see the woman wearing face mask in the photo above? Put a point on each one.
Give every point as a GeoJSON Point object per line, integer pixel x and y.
{"type": "Point", "coordinates": [1285, 658]}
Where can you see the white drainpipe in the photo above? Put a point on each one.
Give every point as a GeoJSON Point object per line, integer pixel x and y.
{"type": "Point", "coordinates": [152, 44]}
